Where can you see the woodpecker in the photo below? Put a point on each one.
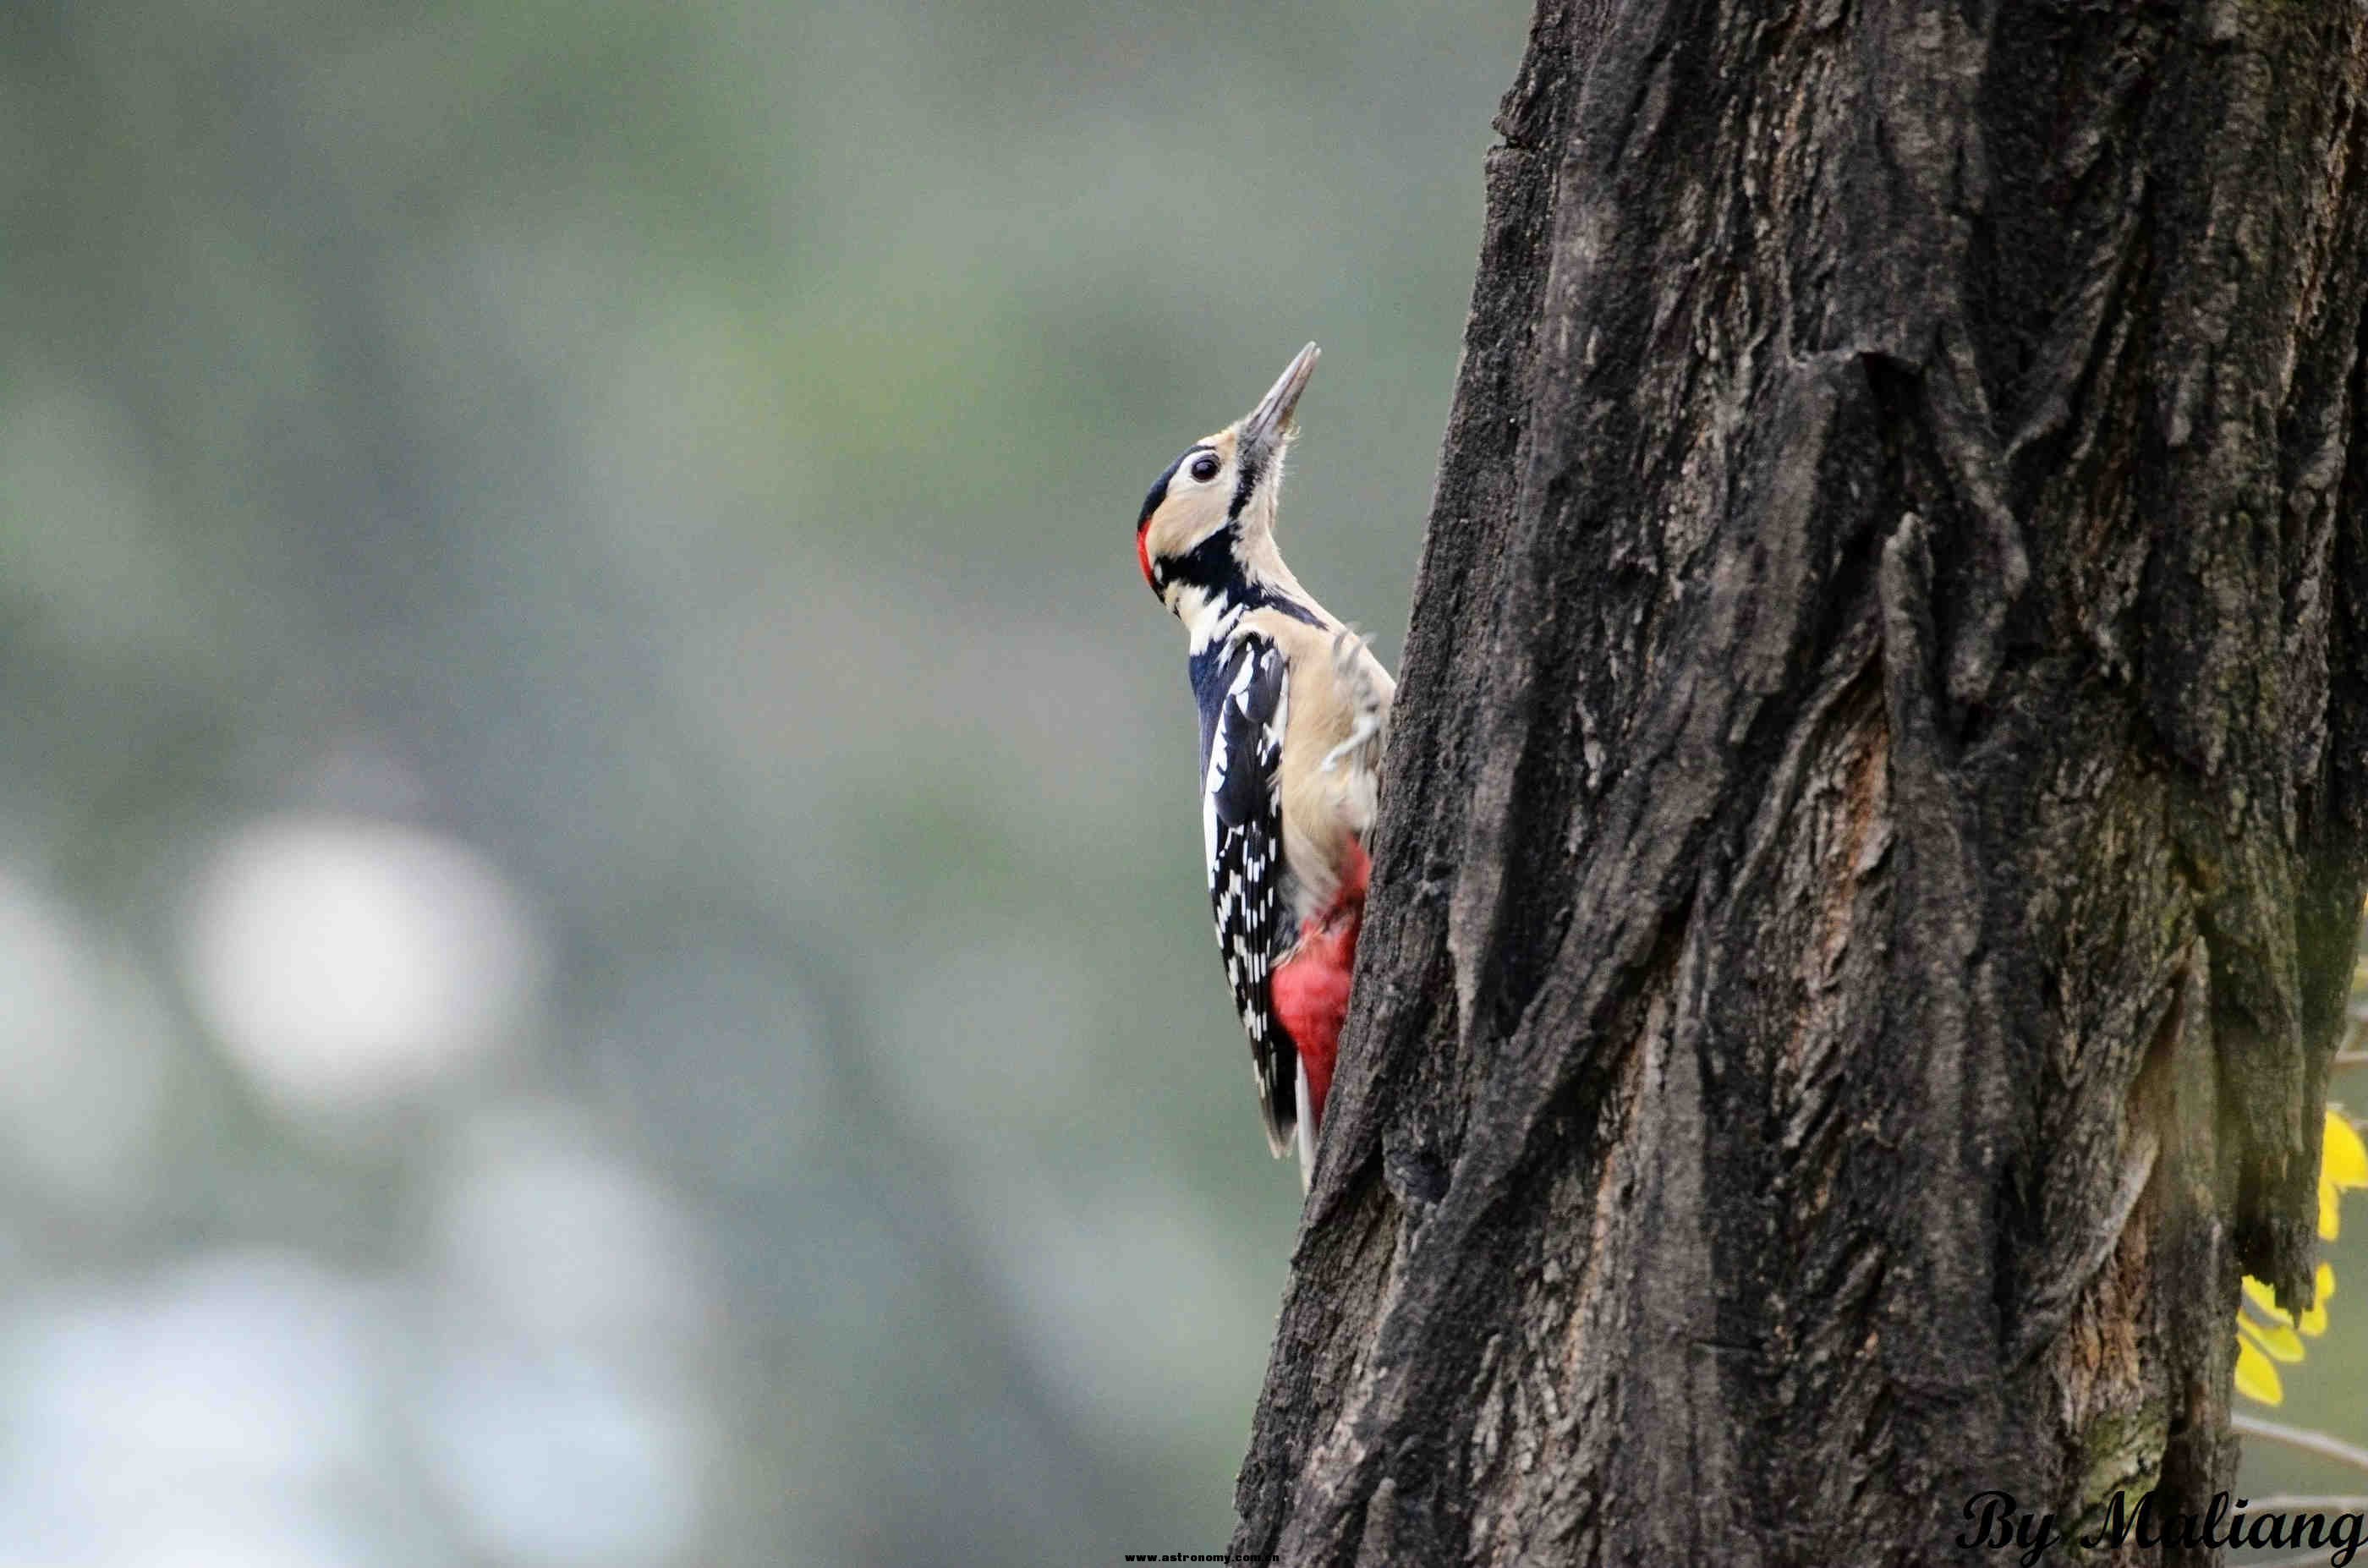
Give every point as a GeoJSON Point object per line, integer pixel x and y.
{"type": "Point", "coordinates": [1292, 709]}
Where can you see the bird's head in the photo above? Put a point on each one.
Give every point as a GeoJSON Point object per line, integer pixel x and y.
{"type": "Point", "coordinates": [1211, 516]}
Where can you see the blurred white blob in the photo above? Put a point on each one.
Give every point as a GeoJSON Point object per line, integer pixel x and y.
{"type": "Point", "coordinates": [213, 1414]}
{"type": "Point", "coordinates": [85, 1042]}
{"type": "Point", "coordinates": [541, 1231]}
{"type": "Point", "coordinates": [560, 1417]}
{"type": "Point", "coordinates": [228, 1535]}
{"type": "Point", "coordinates": [559, 1460]}
{"type": "Point", "coordinates": [344, 962]}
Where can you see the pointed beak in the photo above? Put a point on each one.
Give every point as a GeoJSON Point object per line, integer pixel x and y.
{"type": "Point", "coordinates": [1267, 423]}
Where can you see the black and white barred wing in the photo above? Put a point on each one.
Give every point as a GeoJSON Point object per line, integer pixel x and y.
{"type": "Point", "coordinates": [1241, 816]}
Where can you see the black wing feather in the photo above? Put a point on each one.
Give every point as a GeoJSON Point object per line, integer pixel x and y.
{"type": "Point", "coordinates": [1243, 718]}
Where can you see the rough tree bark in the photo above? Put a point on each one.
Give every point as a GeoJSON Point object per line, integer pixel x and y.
{"type": "Point", "coordinates": [1875, 815]}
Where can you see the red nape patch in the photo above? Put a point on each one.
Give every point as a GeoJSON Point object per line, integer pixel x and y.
{"type": "Point", "coordinates": [1142, 553]}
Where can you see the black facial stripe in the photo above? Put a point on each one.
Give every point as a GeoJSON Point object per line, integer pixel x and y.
{"type": "Point", "coordinates": [1242, 489]}
{"type": "Point", "coordinates": [1210, 565]}
{"type": "Point", "coordinates": [1159, 486]}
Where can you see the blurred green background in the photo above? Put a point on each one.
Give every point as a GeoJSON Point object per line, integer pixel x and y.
{"type": "Point", "coordinates": [599, 889]}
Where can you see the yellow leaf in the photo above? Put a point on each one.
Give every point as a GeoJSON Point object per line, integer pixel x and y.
{"type": "Point", "coordinates": [2279, 1341]}
{"type": "Point", "coordinates": [2256, 1378]}
{"type": "Point", "coordinates": [2331, 1223]}
{"type": "Point", "coordinates": [2344, 1159]}
{"type": "Point", "coordinates": [2263, 1296]}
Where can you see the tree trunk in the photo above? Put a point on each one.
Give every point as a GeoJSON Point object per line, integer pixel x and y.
{"type": "Point", "coordinates": [1875, 812]}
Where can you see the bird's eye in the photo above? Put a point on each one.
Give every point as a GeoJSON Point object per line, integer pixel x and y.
{"type": "Point", "coordinates": [1204, 467]}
